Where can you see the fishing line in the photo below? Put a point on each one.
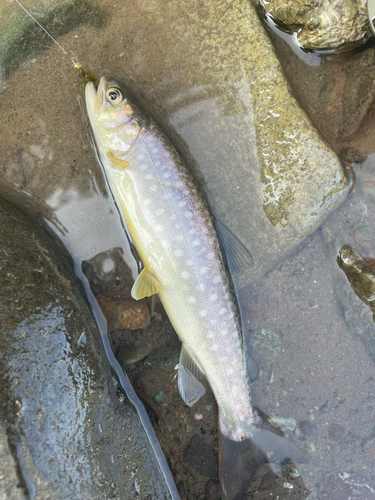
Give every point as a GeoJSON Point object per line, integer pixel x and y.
{"type": "Point", "coordinates": [75, 64]}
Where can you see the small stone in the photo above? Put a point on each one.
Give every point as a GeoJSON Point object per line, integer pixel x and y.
{"type": "Point", "coordinates": [164, 357]}
{"type": "Point", "coordinates": [347, 486]}
{"type": "Point", "coordinates": [336, 432]}
{"type": "Point", "coordinates": [297, 432]}
{"type": "Point", "coordinates": [127, 313]}
{"type": "Point", "coordinates": [310, 447]}
{"type": "Point", "coordinates": [284, 423]}
{"type": "Point", "coordinates": [198, 416]}
{"type": "Point", "coordinates": [307, 428]}
{"type": "Point", "coordinates": [129, 354]}
{"type": "Point", "coordinates": [159, 396]}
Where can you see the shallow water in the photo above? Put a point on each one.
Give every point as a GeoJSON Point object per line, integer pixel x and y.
{"type": "Point", "coordinates": [185, 64]}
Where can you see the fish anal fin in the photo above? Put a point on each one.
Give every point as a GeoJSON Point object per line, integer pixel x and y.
{"type": "Point", "coordinates": [117, 162]}
{"type": "Point", "coordinates": [190, 378]}
{"type": "Point", "coordinates": [147, 283]}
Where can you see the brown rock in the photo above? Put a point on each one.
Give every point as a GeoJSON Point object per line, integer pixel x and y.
{"type": "Point", "coordinates": [126, 313]}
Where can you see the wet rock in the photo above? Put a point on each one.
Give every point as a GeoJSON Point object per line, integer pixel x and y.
{"type": "Point", "coordinates": [307, 428]}
{"type": "Point", "coordinates": [126, 313]}
{"type": "Point", "coordinates": [268, 481]}
{"type": "Point", "coordinates": [336, 432]}
{"type": "Point", "coordinates": [336, 90]}
{"type": "Point", "coordinates": [360, 272]}
{"type": "Point", "coordinates": [325, 25]}
{"type": "Point", "coordinates": [63, 430]}
{"type": "Point", "coordinates": [130, 353]}
{"type": "Point", "coordinates": [165, 357]}
{"type": "Point", "coordinates": [201, 457]}
{"type": "Point", "coordinates": [347, 486]}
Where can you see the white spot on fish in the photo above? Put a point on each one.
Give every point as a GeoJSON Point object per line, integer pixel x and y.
{"type": "Point", "coordinates": [223, 359]}
{"type": "Point", "coordinates": [216, 280]}
{"type": "Point", "coordinates": [210, 256]}
{"type": "Point", "coordinates": [157, 163]}
{"type": "Point", "coordinates": [143, 166]}
{"type": "Point", "coordinates": [210, 336]}
{"type": "Point", "coordinates": [180, 237]}
{"type": "Point", "coordinates": [214, 297]}
{"type": "Point", "coordinates": [178, 253]}
{"type": "Point", "coordinates": [203, 269]}
{"type": "Point", "coordinates": [191, 231]}
{"type": "Point", "coordinates": [153, 188]}
{"type": "Point", "coordinates": [149, 176]}
{"type": "Point", "coordinates": [224, 333]}
{"type": "Point", "coordinates": [181, 204]}
{"type": "Point", "coordinates": [215, 348]}
{"type": "Point", "coordinates": [165, 243]}
{"type": "Point", "coordinates": [188, 215]}
{"type": "Point", "coordinates": [191, 299]}
{"type": "Point", "coordinates": [196, 243]}
{"type": "Point", "coordinates": [213, 322]}
{"type": "Point", "coordinates": [184, 275]}
{"type": "Point", "coordinates": [159, 228]}
{"type": "Point", "coordinates": [203, 313]}
{"type": "Point", "coordinates": [166, 175]}
{"type": "Point", "coordinates": [140, 157]}
{"type": "Point", "coordinates": [160, 211]}
{"type": "Point", "coordinates": [202, 286]}
{"type": "Point", "coordinates": [229, 371]}
{"type": "Point", "coordinates": [165, 197]}
{"type": "Point", "coordinates": [146, 201]}
{"type": "Point", "coordinates": [189, 262]}
{"type": "Point", "coordinates": [222, 311]}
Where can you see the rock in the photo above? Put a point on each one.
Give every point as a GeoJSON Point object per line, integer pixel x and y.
{"type": "Point", "coordinates": [336, 432]}
{"type": "Point", "coordinates": [130, 353]}
{"type": "Point", "coordinates": [325, 25]}
{"type": "Point", "coordinates": [127, 313]}
{"type": "Point", "coordinates": [201, 457]}
{"type": "Point", "coordinates": [307, 428]}
{"type": "Point", "coordinates": [346, 486]}
{"type": "Point", "coordinates": [336, 90]}
{"type": "Point", "coordinates": [61, 421]}
{"type": "Point", "coordinates": [213, 490]}
{"type": "Point", "coordinates": [165, 357]}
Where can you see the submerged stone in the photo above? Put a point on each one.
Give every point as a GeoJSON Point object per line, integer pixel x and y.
{"type": "Point", "coordinates": [63, 431]}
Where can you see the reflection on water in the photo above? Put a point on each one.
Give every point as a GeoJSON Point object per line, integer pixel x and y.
{"type": "Point", "coordinates": [191, 67]}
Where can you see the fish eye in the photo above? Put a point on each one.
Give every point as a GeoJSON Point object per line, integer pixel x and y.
{"type": "Point", "coordinates": [114, 96]}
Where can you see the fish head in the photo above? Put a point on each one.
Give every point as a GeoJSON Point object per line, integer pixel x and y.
{"type": "Point", "coordinates": [115, 120]}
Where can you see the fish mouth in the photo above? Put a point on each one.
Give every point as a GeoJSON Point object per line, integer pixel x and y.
{"type": "Point", "coordinates": [95, 97]}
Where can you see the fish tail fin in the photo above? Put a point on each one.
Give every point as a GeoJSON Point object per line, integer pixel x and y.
{"type": "Point", "coordinates": [243, 449]}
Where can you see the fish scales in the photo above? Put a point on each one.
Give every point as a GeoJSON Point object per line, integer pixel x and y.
{"type": "Point", "coordinates": [179, 241]}
{"type": "Point", "coordinates": [173, 231]}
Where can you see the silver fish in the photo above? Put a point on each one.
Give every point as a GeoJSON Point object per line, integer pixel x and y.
{"type": "Point", "coordinates": [174, 233]}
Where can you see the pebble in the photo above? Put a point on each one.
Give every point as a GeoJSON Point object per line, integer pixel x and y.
{"type": "Point", "coordinates": [126, 313]}
{"type": "Point", "coordinates": [130, 353]}
{"type": "Point", "coordinates": [307, 428]}
{"type": "Point", "coordinates": [164, 357]}
{"type": "Point", "coordinates": [336, 433]}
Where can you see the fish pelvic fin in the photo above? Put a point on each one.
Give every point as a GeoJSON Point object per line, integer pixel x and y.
{"type": "Point", "coordinates": [117, 162]}
{"type": "Point", "coordinates": [190, 378]}
{"type": "Point", "coordinates": [147, 283]}
{"type": "Point", "coordinates": [246, 447]}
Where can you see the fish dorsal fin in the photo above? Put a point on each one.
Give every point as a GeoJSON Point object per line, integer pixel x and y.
{"type": "Point", "coordinates": [237, 258]}
{"type": "Point", "coordinates": [236, 255]}
{"type": "Point", "coordinates": [147, 283]}
{"type": "Point", "coordinates": [190, 378]}
{"type": "Point", "coordinates": [117, 162]}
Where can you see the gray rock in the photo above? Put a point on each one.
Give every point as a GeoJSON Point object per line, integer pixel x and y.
{"type": "Point", "coordinates": [63, 431]}
{"type": "Point", "coordinates": [201, 457]}
{"type": "Point", "coordinates": [165, 357]}
{"type": "Point", "coordinates": [130, 353]}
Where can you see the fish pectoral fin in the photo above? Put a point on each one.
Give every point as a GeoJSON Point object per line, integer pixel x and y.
{"type": "Point", "coordinates": [117, 162]}
{"type": "Point", "coordinates": [190, 378]}
{"type": "Point", "coordinates": [147, 283]}
{"type": "Point", "coordinates": [235, 254]}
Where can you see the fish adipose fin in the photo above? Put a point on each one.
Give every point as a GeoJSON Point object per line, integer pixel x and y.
{"type": "Point", "coordinates": [190, 379]}
{"type": "Point", "coordinates": [236, 258]}
{"type": "Point", "coordinates": [146, 284]}
{"type": "Point", "coordinates": [240, 459]}
{"type": "Point", "coordinates": [117, 162]}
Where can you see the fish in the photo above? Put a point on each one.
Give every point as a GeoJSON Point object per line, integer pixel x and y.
{"type": "Point", "coordinates": [186, 256]}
